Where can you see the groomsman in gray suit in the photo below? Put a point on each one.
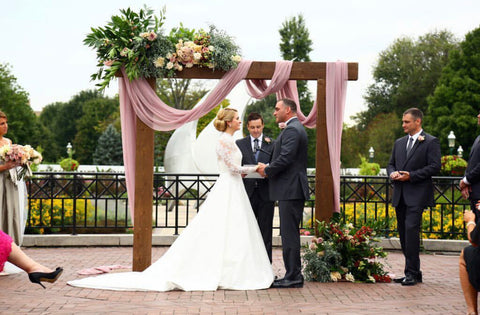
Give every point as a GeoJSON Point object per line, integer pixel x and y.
{"type": "Point", "coordinates": [257, 148]}
{"type": "Point", "coordinates": [287, 173]}
{"type": "Point", "coordinates": [415, 159]}
{"type": "Point", "coordinates": [470, 184]}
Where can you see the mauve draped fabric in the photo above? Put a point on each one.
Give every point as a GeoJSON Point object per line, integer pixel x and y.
{"type": "Point", "coordinates": [137, 98]}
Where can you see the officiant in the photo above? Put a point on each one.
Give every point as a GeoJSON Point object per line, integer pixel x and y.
{"type": "Point", "coordinates": [257, 148]}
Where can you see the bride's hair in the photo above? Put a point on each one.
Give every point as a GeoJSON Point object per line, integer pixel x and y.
{"type": "Point", "coordinates": [224, 115]}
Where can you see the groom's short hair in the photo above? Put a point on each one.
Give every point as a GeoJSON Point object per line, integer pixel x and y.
{"type": "Point", "coordinates": [289, 103]}
{"type": "Point", "coordinates": [254, 116]}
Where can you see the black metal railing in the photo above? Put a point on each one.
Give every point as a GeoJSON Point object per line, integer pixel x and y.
{"type": "Point", "coordinates": [97, 202]}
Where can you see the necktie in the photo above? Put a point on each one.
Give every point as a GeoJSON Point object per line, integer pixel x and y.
{"type": "Point", "coordinates": [256, 149]}
{"type": "Point", "coordinates": [409, 145]}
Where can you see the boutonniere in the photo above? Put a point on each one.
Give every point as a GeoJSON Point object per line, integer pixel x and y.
{"type": "Point", "coordinates": [420, 138]}
{"type": "Point", "coordinates": [282, 125]}
{"type": "Point", "coordinates": [267, 140]}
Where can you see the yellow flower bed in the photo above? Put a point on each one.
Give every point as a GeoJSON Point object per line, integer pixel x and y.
{"type": "Point", "coordinates": [52, 213]}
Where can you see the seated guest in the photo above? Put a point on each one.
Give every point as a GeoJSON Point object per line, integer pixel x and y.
{"type": "Point", "coordinates": [37, 273]}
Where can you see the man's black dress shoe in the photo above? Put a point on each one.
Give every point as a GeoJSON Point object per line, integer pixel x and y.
{"type": "Point", "coordinates": [409, 280]}
{"type": "Point", "coordinates": [400, 280]}
{"type": "Point", "coordinates": [285, 284]}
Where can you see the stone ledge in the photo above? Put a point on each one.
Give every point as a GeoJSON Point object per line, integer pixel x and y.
{"type": "Point", "coordinates": [67, 240]}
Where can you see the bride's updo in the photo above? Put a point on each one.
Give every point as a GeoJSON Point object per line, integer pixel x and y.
{"type": "Point", "coordinates": [224, 115]}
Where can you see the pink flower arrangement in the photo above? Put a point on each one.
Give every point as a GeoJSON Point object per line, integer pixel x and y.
{"type": "Point", "coordinates": [23, 156]}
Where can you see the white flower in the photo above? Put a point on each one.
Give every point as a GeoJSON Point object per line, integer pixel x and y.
{"type": "Point", "coordinates": [197, 56]}
{"type": "Point", "coordinates": [160, 62]}
{"type": "Point", "coordinates": [350, 277]}
{"type": "Point", "coordinates": [335, 276]}
{"type": "Point", "coordinates": [236, 58]}
{"type": "Point", "coordinates": [169, 65]}
{"type": "Point", "coordinates": [371, 279]}
{"type": "Point", "coordinates": [211, 48]}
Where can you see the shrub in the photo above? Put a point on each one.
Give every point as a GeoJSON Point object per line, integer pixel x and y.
{"type": "Point", "coordinates": [453, 165]}
{"type": "Point", "coordinates": [69, 164]}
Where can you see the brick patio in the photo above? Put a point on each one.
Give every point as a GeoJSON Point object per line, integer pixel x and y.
{"type": "Point", "coordinates": [439, 294]}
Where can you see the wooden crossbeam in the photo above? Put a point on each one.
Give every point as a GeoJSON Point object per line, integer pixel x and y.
{"type": "Point", "coordinates": [324, 199]}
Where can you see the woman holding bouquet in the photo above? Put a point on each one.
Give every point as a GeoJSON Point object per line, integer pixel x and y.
{"type": "Point", "coordinates": [11, 214]}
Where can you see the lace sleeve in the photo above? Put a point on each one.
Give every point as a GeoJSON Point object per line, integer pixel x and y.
{"type": "Point", "coordinates": [225, 153]}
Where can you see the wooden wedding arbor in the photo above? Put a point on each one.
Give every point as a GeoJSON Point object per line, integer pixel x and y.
{"type": "Point", "coordinates": [324, 205]}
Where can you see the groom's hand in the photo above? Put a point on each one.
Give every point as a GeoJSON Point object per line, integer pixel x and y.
{"type": "Point", "coordinates": [261, 169]}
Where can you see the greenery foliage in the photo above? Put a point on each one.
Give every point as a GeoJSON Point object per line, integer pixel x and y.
{"type": "Point", "coordinates": [69, 164]}
{"type": "Point", "coordinates": [343, 252]}
{"type": "Point", "coordinates": [136, 41]}
{"type": "Point", "coordinates": [453, 165]}
{"type": "Point", "coordinates": [109, 148]}
{"type": "Point", "coordinates": [456, 101]}
{"type": "Point", "coordinates": [367, 168]}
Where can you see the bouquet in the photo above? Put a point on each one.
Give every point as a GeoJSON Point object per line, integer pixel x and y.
{"type": "Point", "coordinates": [23, 156]}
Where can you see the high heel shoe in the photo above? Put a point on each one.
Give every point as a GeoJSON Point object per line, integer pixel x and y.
{"type": "Point", "coordinates": [37, 277]}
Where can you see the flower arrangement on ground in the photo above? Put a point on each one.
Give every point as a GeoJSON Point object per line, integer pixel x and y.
{"type": "Point", "coordinates": [342, 252]}
{"type": "Point", "coordinates": [137, 42]}
{"type": "Point", "coordinates": [23, 155]}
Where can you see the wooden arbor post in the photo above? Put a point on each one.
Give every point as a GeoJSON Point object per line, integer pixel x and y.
{"type": "Point", "coordinates": [142, 240]}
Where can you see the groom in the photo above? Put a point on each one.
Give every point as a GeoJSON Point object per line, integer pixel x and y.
{"type": "Point", "coordinates": [415, 159]}
{"type": "Point", "coordinates": [287, 173]}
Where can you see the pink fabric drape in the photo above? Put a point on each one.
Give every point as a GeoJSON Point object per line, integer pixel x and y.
{"type": "Point", "coordinates": [137, 98]}
{"type": "Point", "coordinates": [337, 78]}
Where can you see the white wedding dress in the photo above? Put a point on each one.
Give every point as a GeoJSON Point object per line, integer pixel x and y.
{"type": "Point", "coordinates": [221, 248]}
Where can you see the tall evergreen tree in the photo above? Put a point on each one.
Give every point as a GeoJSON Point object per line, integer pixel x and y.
{"type": "Point", "coordinates": [109, 148]}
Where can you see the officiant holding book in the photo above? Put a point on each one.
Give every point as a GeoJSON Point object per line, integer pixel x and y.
{"type": "Point", "coordinates": [257, 148]}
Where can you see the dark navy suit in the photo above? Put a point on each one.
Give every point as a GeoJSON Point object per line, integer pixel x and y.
{"type": "Point", "coordinates": [411, 197]}
{"type": "Point", "coordinates": [257, 189]}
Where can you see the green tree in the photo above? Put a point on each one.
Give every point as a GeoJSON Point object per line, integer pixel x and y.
{"type": "Point", "coordinates": [296, 45]}
{"type": "Point", "coordinates": [22, 122]}
{"type": "Point", "coordinates": [456, 101]}
{"type": "Point", "coordinates": [109, 148]}
{"type": "Point", "coordinates": [407, 72]}
{"type": "Point", "coordinates": [381, 134]}
{"type": "Point", "coordinates": [354, 141]}
{"type": "Point", "coordinates": [60, 121]}
{"type": "Point", "coordinates": [94, 113]}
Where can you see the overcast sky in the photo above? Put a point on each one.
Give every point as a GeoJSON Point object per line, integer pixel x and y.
{"type": "Point", "coordinates": [42, 40]}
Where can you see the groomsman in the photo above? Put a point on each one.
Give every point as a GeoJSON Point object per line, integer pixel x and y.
{"type": "Point", "coordinates": [470, 184]}
{"type": "Point", "coordinates": [257, 148]}
{"type": "Point", "coordinates": [289, 185]}
{"type": "Point", "coordinates": [415, 159]}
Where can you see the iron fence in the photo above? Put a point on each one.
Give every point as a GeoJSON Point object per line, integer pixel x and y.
{"type": "Point", "coordinates": [97, 202]}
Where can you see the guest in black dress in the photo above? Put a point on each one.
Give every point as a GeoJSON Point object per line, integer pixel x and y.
{"type": "Point", "coordinates": [470, 263]}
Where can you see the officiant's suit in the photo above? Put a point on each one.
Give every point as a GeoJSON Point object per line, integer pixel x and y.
{"type": "Point", "coordinates": [412, 196]}
{"type": "Point", "coordinates": [257, 189]}
{"type": "Point", "coordinates": [287, 173]}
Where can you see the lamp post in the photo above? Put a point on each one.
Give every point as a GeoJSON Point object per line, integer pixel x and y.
{"type": "Point", "coordinates": [451, 141]}
{"type": "Point", "coordinates": [460, 151]}
{"type": "Point", "coordinates": [69, 150]}
{"type": "Point", "coordinates": [371, 154]}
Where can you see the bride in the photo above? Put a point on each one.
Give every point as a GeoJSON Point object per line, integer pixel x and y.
{"type": "Point", "coordinates": [222, 248]}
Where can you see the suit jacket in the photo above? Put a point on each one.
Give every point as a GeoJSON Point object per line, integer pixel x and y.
{"type": "Point", "coordinates": [422, 163]}
{"type": "Point", "coordinates": [248, 157]}
{"type": "Point", "coordinates": [288, 169]}
{"type": "Point", "coordinates": [473, 170]}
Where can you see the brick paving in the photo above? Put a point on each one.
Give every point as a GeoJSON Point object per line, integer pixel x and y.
{"type": "Point", "coordinates": [439, 294]}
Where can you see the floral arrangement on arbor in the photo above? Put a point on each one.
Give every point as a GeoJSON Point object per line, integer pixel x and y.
{"type": "Point", "coordinates": [137, 42]}
{"type": "Point", "coordinates": [453, 165]}
{"type": "Point", "coordinates": [342, 252]}
{"type": "Point", "coordinates": [23, 155]}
